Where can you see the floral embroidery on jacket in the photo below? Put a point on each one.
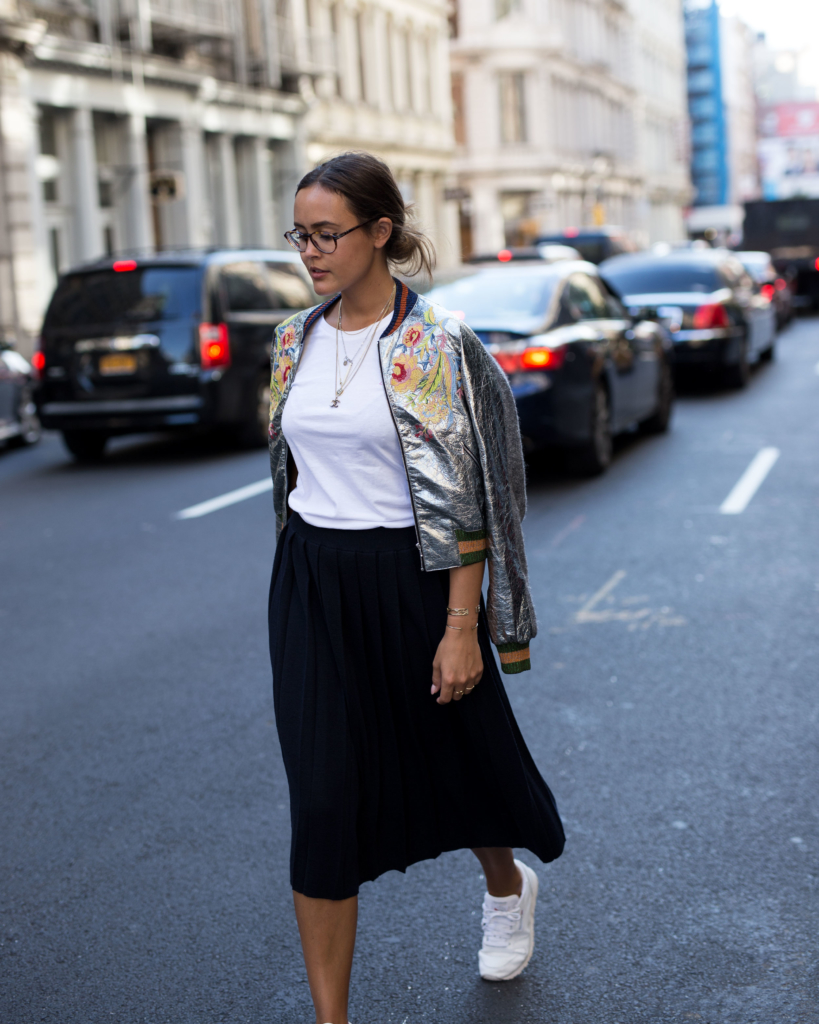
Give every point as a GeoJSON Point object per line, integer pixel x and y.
{"type": "Point", "coordinates": [284, 356]}
{"type": "Point", "coordinates": [426, 374]}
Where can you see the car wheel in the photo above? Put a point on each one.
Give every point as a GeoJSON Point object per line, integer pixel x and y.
{"type": "Point", "coordinates": [767, 355]}
{"type": "Point", "coordinates": [659, 420]}
{"type": "Point", "coordinates": [85, 445]}
{"type": "Point", "coordinates": [30, 429]}
{"type": "Point", "coordinates": [738, 375]}
{"type": "Point", "coordinates": [595, 457]}
{"type": "Point", "coordinates": [253, 432]}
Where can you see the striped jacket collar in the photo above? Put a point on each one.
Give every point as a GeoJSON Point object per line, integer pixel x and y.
{"type": "Point", "coordinates": [405, 299]}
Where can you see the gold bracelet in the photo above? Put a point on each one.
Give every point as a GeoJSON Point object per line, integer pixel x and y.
{"type": "Point", "coordinates": [462, 611]}
{"type": "Point", "coordinates": [461, 628]}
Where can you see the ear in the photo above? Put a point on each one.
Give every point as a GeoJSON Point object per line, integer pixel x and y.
{"type": "Point", "coordinates": [381, 232]}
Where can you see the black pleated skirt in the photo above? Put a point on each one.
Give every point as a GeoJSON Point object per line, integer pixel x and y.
{"type": "Point", "coordinates": [380, 775]}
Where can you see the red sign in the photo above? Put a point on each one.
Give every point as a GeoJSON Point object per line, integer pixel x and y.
{"type": "Point", "coordinates": [789, 119]}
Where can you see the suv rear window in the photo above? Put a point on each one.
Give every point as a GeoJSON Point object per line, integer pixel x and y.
{"type": "Point", "coordinates": [251, 286]}
{"type": "Point", "coordinates": [134, 296]}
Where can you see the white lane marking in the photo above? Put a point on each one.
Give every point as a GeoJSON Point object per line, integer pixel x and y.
{"type": "Point", "coordinates": [564, 533]}
{"type": "Point", "coordinates": [587, 612]}
{"type": "Point", "coordinates": [750, 482]}
{"type": "Point", "coordinates": [223, 500]}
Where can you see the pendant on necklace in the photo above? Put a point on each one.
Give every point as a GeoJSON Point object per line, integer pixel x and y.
{"type": "Point", "coordinates": [346, 362]}
{"type": "Point", "coordinates": [334, 403]}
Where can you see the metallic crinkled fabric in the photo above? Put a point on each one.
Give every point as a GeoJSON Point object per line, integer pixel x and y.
{"type": "Point", "coordinates": [458, 426]}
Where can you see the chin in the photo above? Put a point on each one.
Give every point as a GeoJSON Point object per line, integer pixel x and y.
{"type": "Point", "coordinates": [326, 286]}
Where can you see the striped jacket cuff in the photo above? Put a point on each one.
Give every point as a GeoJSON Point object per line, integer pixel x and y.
{"type": "Point", "coordinates": [514, 658]}
{"type": "Point", "coordinates": [471, 546]}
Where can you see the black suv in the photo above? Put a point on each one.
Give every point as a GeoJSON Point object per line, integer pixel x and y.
{"type": "Point", "coordinates": [172, 340]}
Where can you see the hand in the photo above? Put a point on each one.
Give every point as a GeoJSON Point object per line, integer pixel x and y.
{"type": "Point", "coordinates": [458, 665]}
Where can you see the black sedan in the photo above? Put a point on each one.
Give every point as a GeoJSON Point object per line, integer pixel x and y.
{"type": "Point", "coordinates": [18, 414]}
{"type": "Point", "coordinates": [714, 311]}
{"type": "Point", "coordinates": [580, 367]}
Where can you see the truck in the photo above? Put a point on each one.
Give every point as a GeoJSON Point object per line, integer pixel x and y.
{"type": "Point", "coordinates": [789, 230]}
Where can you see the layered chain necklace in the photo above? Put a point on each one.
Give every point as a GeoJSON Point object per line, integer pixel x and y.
{"type": "Point", "coordinates": [343, 382]}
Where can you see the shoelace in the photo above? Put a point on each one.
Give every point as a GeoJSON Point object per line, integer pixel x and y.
{"type": "Point", "coordinates": [499, 925]}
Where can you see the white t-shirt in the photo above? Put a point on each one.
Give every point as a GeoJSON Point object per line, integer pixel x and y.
{"type": "Point", "coordinates": [351, 470]}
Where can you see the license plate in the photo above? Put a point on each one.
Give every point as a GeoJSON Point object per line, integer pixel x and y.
{"type": "Point", "coordinates": [117, 364]}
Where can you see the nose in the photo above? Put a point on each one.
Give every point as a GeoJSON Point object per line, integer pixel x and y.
{"type": "Point", "coordinates": [316, 251]}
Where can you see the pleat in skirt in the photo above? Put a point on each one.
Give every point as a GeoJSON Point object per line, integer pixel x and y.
{"type": "Point", "coordinates": [381, 775]}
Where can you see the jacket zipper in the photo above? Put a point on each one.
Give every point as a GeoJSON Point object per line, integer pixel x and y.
{"type": "Point", "coordinates": [403, 456]}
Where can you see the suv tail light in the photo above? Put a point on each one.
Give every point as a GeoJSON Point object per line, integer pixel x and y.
{"type": "Point", "coordinates": [535, 357]}
{"type": "Point", "coordinates": [541, 358]}
{"type": "Point", "coordinates": [767, 291]}
{"type": "Point", "coordinates": [712, 314]}
{"type": "Point", "coordinates": [38, 361]}
{"type": "Point", "coordinates": [214, 346]}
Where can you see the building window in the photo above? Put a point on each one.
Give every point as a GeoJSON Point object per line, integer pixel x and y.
{"type": "Point", "coordinates": [512, 107]}
{"type": "Point", "coordinates": [503, 8]}
{"type": "Point", "coordinates": [360, 42]}
{"type": "Point", "coordinates": [54, 248]}
{"type": "Point", "coordinates": [410, 104]}
{"type": "Point", "coordinates": [458, 118]}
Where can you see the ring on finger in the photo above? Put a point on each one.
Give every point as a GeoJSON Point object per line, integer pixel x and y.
{"type": "Point", "coordinates": [460, 693]}
{"type": "Point", "coordinates": [469, 689]}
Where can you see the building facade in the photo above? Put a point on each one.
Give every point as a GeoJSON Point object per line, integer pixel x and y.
{"type": "Point", "coordinates": [569, 113]}
{"type": "Point", "coordinates": [384, 86]}
{"type": "Point", "coordinates": [134, 126]}
{"type": "Point", "coordinates": [722, 110]}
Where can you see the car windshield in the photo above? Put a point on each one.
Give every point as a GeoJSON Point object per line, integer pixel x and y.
{"type": "Point", "coordinates": [108, 296]}
{"type": "Point", "coordinates": [643, 278]}
{"type": "Point", "coordinates": [511, 299]}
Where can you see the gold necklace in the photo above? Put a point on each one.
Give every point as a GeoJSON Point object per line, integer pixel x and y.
{"type": "Point", "coordinates": [342, 385]}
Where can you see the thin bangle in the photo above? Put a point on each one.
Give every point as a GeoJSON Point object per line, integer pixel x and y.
{"type": "Point", "coordinates": [461, 628]}
{"type": "Point", "coordinates": [462, 611]}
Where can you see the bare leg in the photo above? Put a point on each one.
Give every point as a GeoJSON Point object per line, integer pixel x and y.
{"type": "Point", "coordinates": [327, 930]}
{"type": "Point", "coordinates": [502, 876]}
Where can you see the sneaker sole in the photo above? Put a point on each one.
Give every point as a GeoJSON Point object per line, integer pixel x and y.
{"type": "Point", "coordinates": [534, 884]}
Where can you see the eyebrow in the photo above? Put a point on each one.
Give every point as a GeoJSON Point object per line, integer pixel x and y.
{"type": "Point", "coordinates": [317, 226]}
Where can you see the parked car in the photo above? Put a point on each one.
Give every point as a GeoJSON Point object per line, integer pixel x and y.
{"type": "Point", "coordinates": [771, 283]}
{"type": "Point", "coordinates": [714, 311]}
{"type": "Point", "coordinates": [170, 341]}
{"type": "Point", "coordinates": [593, 244]}
{"type": "Point", "coordinates": [580, 367]}
{"type": "Point", "coordinates": [18, 413]}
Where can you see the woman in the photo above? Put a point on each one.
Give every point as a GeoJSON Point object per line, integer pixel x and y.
{"type": "Point", "coordinates": [397, 471]}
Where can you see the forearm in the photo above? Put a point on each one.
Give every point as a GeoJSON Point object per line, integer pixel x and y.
{"type": "Point", "coordinates": [465, 584]}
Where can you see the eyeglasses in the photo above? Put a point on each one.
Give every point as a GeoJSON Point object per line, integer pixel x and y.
{"type": "Point", "coordinates": [324, 241]}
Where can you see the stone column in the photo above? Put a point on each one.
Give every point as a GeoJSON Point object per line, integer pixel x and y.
{"type": "Point", "coordinates": [259, 203]}
{"type": "Point", "coordinates": [87, 233]}
{"type": "Point", "coordinates": [198, 222]}
{"type": "Point", "coordinates": [140, 226]}
{"type": "Point", "coordinates": [229, 198]}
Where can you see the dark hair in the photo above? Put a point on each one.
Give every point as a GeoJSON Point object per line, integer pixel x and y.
{"type": "Point", "coordinates": [371, 191]}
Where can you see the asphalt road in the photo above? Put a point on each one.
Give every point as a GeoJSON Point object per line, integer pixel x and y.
{"type": "Point", "coordinates": [672, 707]}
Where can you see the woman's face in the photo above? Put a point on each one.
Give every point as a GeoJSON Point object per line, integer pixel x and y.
{"type": "Point", "coordinates": [356, 255]}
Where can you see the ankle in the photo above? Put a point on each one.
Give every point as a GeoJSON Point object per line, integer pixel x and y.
{"type": "Point", "coordinates": [502, 889]}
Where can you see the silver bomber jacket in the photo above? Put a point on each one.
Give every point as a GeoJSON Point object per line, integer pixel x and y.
{"type": "Point", "coordinates": [456, 420]}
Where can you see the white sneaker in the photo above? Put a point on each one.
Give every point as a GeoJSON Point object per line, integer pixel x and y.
{"type": "Point", "coordinates": [508, 931]}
